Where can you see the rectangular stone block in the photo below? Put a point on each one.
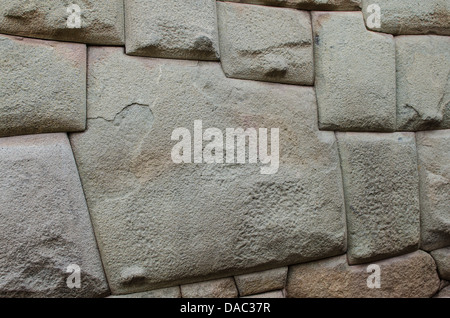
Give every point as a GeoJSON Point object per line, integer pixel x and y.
{"type": "Point", "coordinates": [220, 288]}
{"type": "Point", "coordinates": [408, 276]}
{"type": "Point", "coordinates": [272, 294]}
{"type": "Point", "coordinates": [87, 21]}
{"type": "Point", "coordinates": [179, 29]}
{"type": "Point", "coordinates": [161, 223]}
{"type": "Point", "coordinates": [308, 4]}
{"type": "Point", "coordinates": [442, 259]}
{"type": "Point", "coordinates": [381, 186]}
{"type": "Point", "coordinates": [408, 16]}
{"type": "Point", "coordinates": [355, 74]}
{"type": "Point", "coordinates": [434, 171]}
{"type": "Point", "coordinates": [266, 44]}
{"type": "Point", "coordinates": [260, 282]}
{"type": "Point", "coordinates": [42, 86]}
{"type": "Point", "coordinates": [170, 292]}
{"type": "Point", "coordinates": [423, 82]}
{"type": "Point", "coordinates": [46, 234]}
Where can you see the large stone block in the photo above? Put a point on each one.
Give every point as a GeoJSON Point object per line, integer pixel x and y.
{"type": "Point", "coordinates": [434, 171]}
{"type": "Point", "coordinates": [381, 186]}
{"type": "Point", "coordinates": [308, 4]}
{"type": "Point", "coordinates": [179, 29]}
{"type": "Point", "coordinates": [42, 86]}
{"type": "Point", "coordinates": [260, 282]}
{"type": "Point", "coordinates": [408, 16]}
{"type": "Point", "coordinates": [442, 258]}
{"type": "Point", "coordinates": [160, 223]}
{"type": "Point", "coordinates": [219, 288]}
{"type": "Point", "coordinates": [45, 224]}
{"type": "Point", "coordinates": [355, 74]}
{"type": "Point", "coordinates": [409, 276]}
{"type": "Point", "coordinates": [86, 21]}
{"type": "Point", "coordinates": [267, 44]}
{"type": "Point", "coordinates": [423, 82]}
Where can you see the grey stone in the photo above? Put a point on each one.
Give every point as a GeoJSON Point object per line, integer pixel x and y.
{"type": "Point", "coordinates": [423, 85]}
{"type": "Point", "coordinates": [266, 43]}
{"type": "Point", "coordinates": [442, 259]}
{"type": "Point", "coordinates": [101, 21]}
{"type": "Point", "coordinates": [308, 4]}
{"type": "Point", "coordinates": [355, 74]}
{"type": "Point", "coordinates": [160, 223]}
{"type": "Point", "coordinates": [219, 288]}
{"type": "Point", "coordinates": [381, 186]}
{"type": "Point", "coordinates": [42, 86]}
{"type": "Point", "coordinates": [272, 294]}
{"type": "Point", "coordinates": [434, 171]}
{"type": "Point", "coordinates": [180, 29]}
{"type": "Point", "coordinates": [408, 276]}
{"type": "Point", "coordinates": [411, 16]}
{"type": "Point", "coordinates": [170, 292]}
{"type": "Point", "coordinates": [45, 224]}
{"type": "Point", "coordinates": [260, 282]}
{"type": "Point", "coordinates": [444, 293]}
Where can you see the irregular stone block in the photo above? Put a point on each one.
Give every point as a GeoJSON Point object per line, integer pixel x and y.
{"type": "Point", "coordinates": [45, 225]}
{"type": "Point", "coordinates": [409, 16]}
{"type": "Point", "coordinates": [408, 276]}
{"type": "Point", "coordinates": [272, 294]}
{"type": "Point", "coordinates": [381, 186]}
{"type": "Point", "coordinates": [170, 292]}
{"type": "Point", "coordinates": [220, 288]}
{"type": "Point", "coordinates": [423, 85]}
{"type": "Point", "coordinates": [444, 293]}
{"type": "Point", "coordinates": [355, 74]}
{"type": "Point", "coordinates": [42, 86]}
{"type": "Point", "coordinates": [442, 259]}
{"type": "Point", "coordinates": [87, 21]}
{"type": "Point", "coordinates": [434, 171]}
{"type": "Point", "coordinates": [266, 44]}
{"type": "Point", "coordinates": [179, 29]}
{"type": "Point", "coordinates": [308, 4]}
{"type": "Point", "coordinates": [161, 223]}
{"type": "Point", "coordinates": [260, 282]}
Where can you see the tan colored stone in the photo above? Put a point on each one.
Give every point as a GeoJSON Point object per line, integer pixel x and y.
{"type": "Point", "coordinates": [272, 294]}
{"type": "Point", "coordinates": [219, 288]}
{"type": "Point", "coordinates": [260, 282]}
{"type": "Point", "coordinates": [170, 292]}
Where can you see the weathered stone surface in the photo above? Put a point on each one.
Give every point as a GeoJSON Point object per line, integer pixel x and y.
{"type": "Point", "coordinates": [272, 294]}
{"type": "Point", "coordinates": [42, 86]}
{"type": "Point", "coordinates": [406, 276]}
{"type": "Point", "coordinates": [308, 4]}
{"type": "Point", "coordinates": [355, 74]}
{"type": "Point", "coordinates": [434, 170]}
{"type": "Point", "coordinates": [220, 288]}
{"type": "Point", "coordinates": [423, 82]}
{"type": "Point", "coordinates": [264, 43]}
{"type": "Point", "coordinates": [180, 29]}
{"type": "Point", "coordinates": [444, 293]}
{"type": "Point", "coordinates": [162, 224]}
{"type": "Point", "coordinates": [260, 282]}
{"type": "Point", "coordinates": [170, 292]}
{"type": "Point", "coordinates": [45, 223]}
{"type": "Point", "coordinates": [101, 21]}
{"type": "Point", "coordinates": [411, 16]}
{"type": "Point", "coordinates": [442, 259]}
{"type": "Point", "coordinates": [381, 186]}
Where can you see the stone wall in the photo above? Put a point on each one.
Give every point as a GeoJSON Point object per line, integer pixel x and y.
{"type": "Point", "coordinates": [97, 98]}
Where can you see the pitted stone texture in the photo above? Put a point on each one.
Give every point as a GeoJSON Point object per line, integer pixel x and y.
{"type": "Point", "coordinates": [308, 4]}
{"type": "Point", "coordinates": [102, 21]}
{"type": "Point", "coordinates": [42, 86]}
{"type": "Point", "coordinates": [272, 294]}
{"type": "Point", "coordinates": [442, 259]}
{"type": "Point", "coordinates": [381, 186]}
{"type": "Point", "coordinates": [260, 282]}
{"type": "Point", "coordinates": [170, 292]}
{"type": "Point", "coordinates": [355, 74]}
{"type": "Point", "coordinates": [162, 224]}
{"type": "Point", "coordinates": [423, 82]}
{"type": "Point", "coordinates": [266, 43]}
{"type": "Point", "coordinates": [45, 223]}
{"type": "Point", "coordinates": [179, 29]}
{"type": "Point", "coordinates": [220, 288]}
{"type": "Point", "coordinates": [411, 16]}
{"type": "Point", "coordinates": [434, 171]}
{"type": "Point", "coordinates": [408, 276]}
